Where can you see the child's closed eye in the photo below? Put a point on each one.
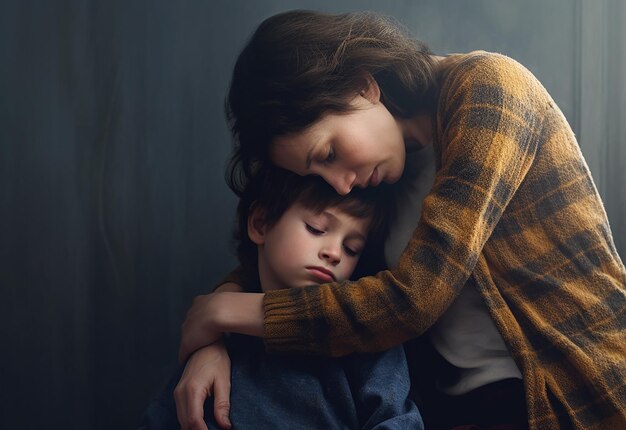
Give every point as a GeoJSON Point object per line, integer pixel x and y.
{"type": "Point", "coordinates": [351, 251]}
{"type": "Point", "coordinates": [313, 230]}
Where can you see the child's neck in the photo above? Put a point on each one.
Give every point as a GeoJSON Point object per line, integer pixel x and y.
{"type": "Point", "coordinates": [265, 278]}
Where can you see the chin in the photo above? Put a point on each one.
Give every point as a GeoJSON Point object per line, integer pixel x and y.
{"type": "Point", "coordinates": [306, 284]}
{"type": "Point", "coordinates": [392, 179]}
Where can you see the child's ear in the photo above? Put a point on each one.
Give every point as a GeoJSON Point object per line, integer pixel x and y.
{"type": "Point", "coordinates": [256, 224]}
{"type": "Point", "coordinates": [371, 90]}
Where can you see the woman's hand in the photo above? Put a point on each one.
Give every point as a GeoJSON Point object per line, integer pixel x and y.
{"type": "Point", "coordinates": [199, 328]}
{"type": "Point", "coordinates": [213, 314]}
{"type": "Point", "coordinates": [206, 373]}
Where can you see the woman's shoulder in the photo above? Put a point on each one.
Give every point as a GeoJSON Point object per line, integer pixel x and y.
{"type": "Point", "coordinates": [479, 62]}
{"type": "Point", "coordinates": [482, 72]}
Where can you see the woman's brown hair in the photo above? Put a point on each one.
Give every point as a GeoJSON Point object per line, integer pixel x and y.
{"type": "Point", "coordinates": [300, 65]}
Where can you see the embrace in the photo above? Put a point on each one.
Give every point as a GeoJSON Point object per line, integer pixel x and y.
{"type": "Point", "coordinates": [508, 290]}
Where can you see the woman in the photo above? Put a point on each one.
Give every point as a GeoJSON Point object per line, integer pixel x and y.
{"type": "Point", "coordinates": [511, 268]}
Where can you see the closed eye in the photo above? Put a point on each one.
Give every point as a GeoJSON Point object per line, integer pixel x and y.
{"type": "Point", "coordinates": [330, 157]}
{"type": "Point", "coordinates": [313, 230]}
{"type": "Point", "coordinates": [351, 252]}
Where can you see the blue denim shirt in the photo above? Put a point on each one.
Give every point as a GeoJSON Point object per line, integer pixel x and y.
{"type": "Point", "coordinates": [360, 391]}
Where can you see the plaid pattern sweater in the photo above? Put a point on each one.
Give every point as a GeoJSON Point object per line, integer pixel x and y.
{"type": "Point", "coordinates": [513, 210]}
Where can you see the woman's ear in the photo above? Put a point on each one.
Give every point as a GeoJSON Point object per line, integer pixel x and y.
{"type": "Point", "coordinates": [371, 90]}
{"type": "Point", "coordinates": [256, 224]}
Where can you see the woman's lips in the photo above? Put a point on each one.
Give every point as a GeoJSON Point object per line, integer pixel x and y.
{"type": "Point", "coordinates": [321, 274]}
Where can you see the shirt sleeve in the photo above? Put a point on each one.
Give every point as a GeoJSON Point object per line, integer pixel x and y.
{"type": "Point", "coordinates": [487, 127]}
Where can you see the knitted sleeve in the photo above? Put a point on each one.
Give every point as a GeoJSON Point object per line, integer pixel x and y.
{"type": "Point", "coordinates": [487, 125]}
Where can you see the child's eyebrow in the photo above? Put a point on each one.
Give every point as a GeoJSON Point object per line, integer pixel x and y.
{"type": "Point", "coordinates": [334, 220]}
{"type": "Point", "coordinates": [331, 217]}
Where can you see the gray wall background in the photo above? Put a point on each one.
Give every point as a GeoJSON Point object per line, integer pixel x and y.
{"type": "Point", "coordinates": [113, 208]}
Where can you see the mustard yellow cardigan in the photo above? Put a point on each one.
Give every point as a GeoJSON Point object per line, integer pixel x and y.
{"type": "Point", "coordinates": [514, 211]}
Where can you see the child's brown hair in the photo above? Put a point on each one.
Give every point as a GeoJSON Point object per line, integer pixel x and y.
{"type": "Point", "coordinates": [274, 190]}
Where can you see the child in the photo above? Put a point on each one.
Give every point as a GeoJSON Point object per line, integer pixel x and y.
{"type": "Point", "coordinates": [293, 232]}
{"type": "Point", "coordinates": [511, 268]}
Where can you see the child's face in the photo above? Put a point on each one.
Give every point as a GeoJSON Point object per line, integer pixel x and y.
{"type": "Point", "coordinates": [359, 149]}
{"type": "Point", "coordinates": [305, 248]}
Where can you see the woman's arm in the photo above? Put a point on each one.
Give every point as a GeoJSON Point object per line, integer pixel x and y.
{"type": "Point", "coordinates": [488, 125]}
{"type": "Point", "coordinates": [206, 373]}
{"type": "Point", "coordinates": [212, 315]}
{"type": "Point", "coordinates": [488, 142]}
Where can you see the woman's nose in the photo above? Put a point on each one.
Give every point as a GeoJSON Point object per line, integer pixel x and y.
{"type": "Point", "coordinates": [342, 183]}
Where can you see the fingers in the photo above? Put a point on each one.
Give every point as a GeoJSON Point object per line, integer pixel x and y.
{"type": "Point", "coordinates": [221, 404]}
{"type": "Point", "coordinates": [190, 406]}
{"type": "Point", "coordinates": [206, 373]}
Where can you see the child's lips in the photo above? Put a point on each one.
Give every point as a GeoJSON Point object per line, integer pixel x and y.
{"type": "Point", "coordinates": [321, 274]}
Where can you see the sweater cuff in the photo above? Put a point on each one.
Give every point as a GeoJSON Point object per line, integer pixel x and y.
{"type": "Point", "coordinates": [294, 321]}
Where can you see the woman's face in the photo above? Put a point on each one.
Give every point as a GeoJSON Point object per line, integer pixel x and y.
{"type": "Point", "coordinates": [358, 149]}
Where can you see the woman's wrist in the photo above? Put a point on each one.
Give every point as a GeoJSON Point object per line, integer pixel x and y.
{"type": "Point", "coordinates": [237, 313]}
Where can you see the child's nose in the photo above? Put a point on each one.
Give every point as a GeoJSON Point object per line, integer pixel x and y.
{"type": "Point", "coordinates": [331, 254]}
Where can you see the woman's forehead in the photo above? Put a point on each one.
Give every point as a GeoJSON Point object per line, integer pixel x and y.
{"type": "Point", "coordinates": [296, 149]}
{"type": "Point", "coordinates": [291, 153]}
